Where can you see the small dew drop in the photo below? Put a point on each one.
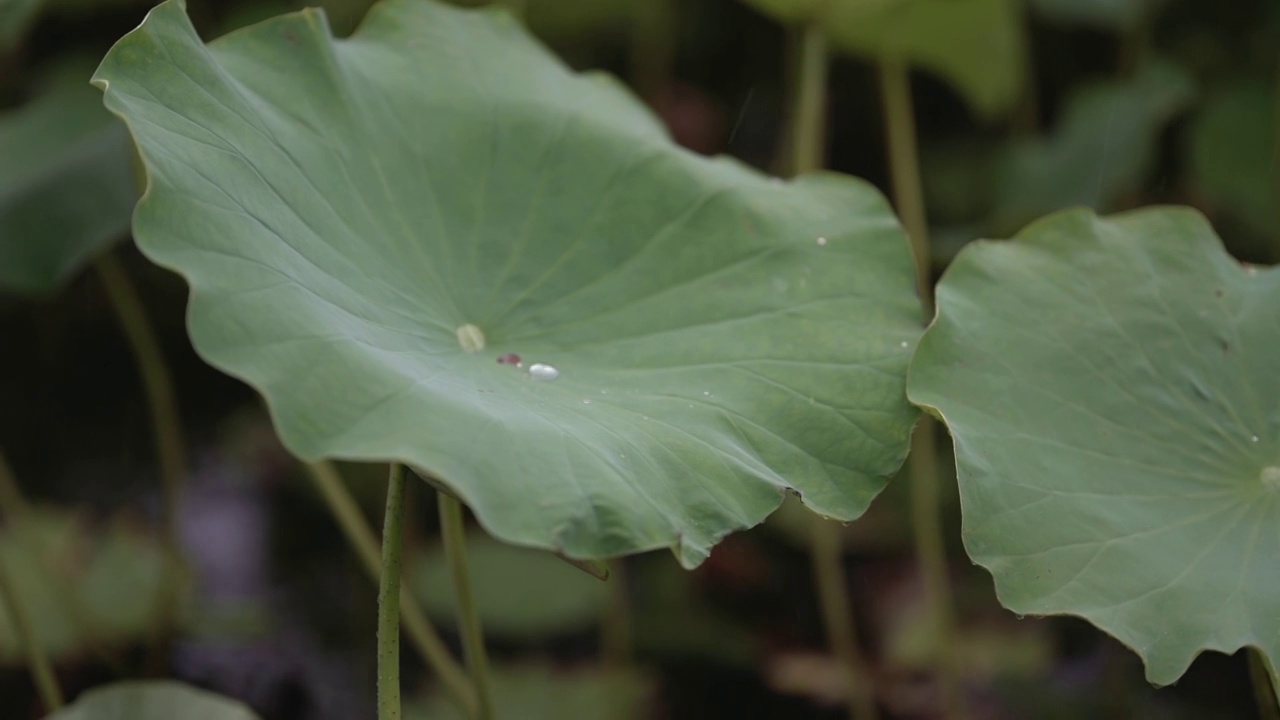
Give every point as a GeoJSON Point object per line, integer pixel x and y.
{"type": "Point", "coordinates": [707, 393]}
{"type": "Point", "coordinates": [1254, 438]}
{"type": "Point", "coordinates": [822, 241]}
{"type": "Point", "coordinates": [1021, 617]}
{"type": "Point", "coordinates": [905, 344]}
{"type": "Point", "coordinates": [540, 371]}
{"type": "Point", "coordinates": [586, 401]}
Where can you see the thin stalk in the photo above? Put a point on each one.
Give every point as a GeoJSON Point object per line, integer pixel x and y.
{"type": "Point", "coordinates": [1266, 691]}
{"type": "Point", "coordinates": [808, 153]}
{"type": "Point", "coordinates": [837, 615]}
{"type": "Point", "coordinates": [389, 598]}
{"type": "Point", "coordinates": [453, 533]}
{"type": "Point", "coordinates": [41, 669]}
{"type": "Point", "coordinates": [615, 630]}
{"type": "Point", "coordinates": [421, 633]}
{"type": "Point", "coordinates": [908, 195]}
{"type": "Point", "coordinates": [166, 428]}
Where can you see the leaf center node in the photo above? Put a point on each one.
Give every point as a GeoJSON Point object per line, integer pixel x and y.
{"type": "Point", "coordinates": [471, 338]}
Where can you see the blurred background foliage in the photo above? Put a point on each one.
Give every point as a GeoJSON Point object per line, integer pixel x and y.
{"type": "Point", "coordinates": [1023, 107]}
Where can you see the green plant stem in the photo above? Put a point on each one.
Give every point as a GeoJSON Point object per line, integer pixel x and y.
{"type": "Point", "coordinates": [389, 598]}
{"type": "Point", "coordinates": [1266, 690]}
{"type": "Point", "coordinates": [908, 195]}
{"type": "Point", "coordinates": [826, 555]}
{"type": "Point", "coordinates": [808, 117]}
{"type": "Point", "coordinates": [166, 428]}
{"type": "Point", "coordinates": [41, 670]}
{"type": "Point", "coordinates": [615, 631]}
{"type": "Point", "coordinates": [453, 533]}
{"type": "Point", "coordinates": [808, 128]}
{"type": "Point", "coordinates": [421, 633]}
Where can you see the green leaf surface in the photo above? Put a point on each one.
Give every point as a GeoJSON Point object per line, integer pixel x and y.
{"type": "Point", "coordinates": [1111, 388]}
{"type": "Point", "coordinates": [369, 226]}
{"type": "Point", "coordinates": [66, 189]}
{"type": "Point", "coordinates": [977, 46]}
{"type": "Point", "coordinates": [539, 692]}
{"type": "Point", "coordinates": [1235, 154]}
{"type": "Point", "coordinates": [554, 596]}
{"type": "Point", "coordinates": [153, 700]}
{"type": "Point", "coordinates": [1102, 148]}
{"type": "Point", "coordinates": [78, 588]}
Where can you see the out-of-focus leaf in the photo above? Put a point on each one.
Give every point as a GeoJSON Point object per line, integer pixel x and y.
{"type": "Point", "coordinates": [66, 187]}
{"type": "Point", "coordinates": [375, 228]}
{"type": "Point", "coordinates": [673, 621]}
{"type": "Point", "coordinates": [1117, 15]}
{"type": "Point", "coordinates": [153, 700]}
{"type": "Point", "coordinates": [539, 692]}
{"type": "Point", "coordinates": [79, 588]}
{"type": "Point", "coordinates": [1235, 155]}
{"type": "Point", "coordinates": [553, 597]}
{"type": "Point", "coordinates": [15, 17]}
{"type": "Point", "coordinates": [978, 46]}
{"type": "Point", "coordinates": [1101, 149]}
{"type": "Point", "coordinates": [1111, 387]}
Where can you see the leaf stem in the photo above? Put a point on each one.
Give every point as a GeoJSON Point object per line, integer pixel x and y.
{"type": "Point", "coordinates": [41, 670]}
{"type": "Point", "coordinates": [453, 533]}
{"type": "Point", "coordinates": [389, 598]}
{"type": "Point", "coordinates": [615, 631]}
{"type": "Point", "coordinates": [1266, 685]}
{"type": "Point", "coordinates": [421, 633]}
{"type": "Point", "coordinates": [908, 196]}
{"type": "Point", "coordinates": [808, 151]}
{"type": "Point", "coordinates": [166, 428]}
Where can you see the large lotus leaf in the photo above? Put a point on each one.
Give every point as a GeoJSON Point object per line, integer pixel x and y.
{"type": "Point", "coordinates": [1235, 154]}
{"type": "Point", "coordinates": [66, 189]}
{"type": "Point", "coordinates": [152, 700]}
{"type": "Point", "coordinates": [1111, 387]}
{"type": "Point", "coordinates": [538, 692]}
{"type": "Point", "coordinates": [978, 46]}
{"type": "Point", "coordinates": [371, 226]}
{"type": "Point", "coordinates": [1102, 148]}
{"type": "Point", "coordinates": [554, 596]}
{"type": "Point", "coordinates": [79, 588]}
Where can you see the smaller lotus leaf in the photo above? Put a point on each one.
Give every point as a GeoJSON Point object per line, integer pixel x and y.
{"type": "Point", "coordinates": [1235, 154]}
{"type": "Point", "coordinates": [66, 189]}
{"type": "Point", "coordinates": [152, 700]}
{"type": "Point", "coordinates": [434, 243]}
{"type": "Point", "coordinates": [1111, 387]}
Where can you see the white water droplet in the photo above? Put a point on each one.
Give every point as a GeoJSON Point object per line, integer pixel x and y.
{"type": "Point", "coordinates": [540, 371]}
{"type": "Point", "coordinates": [905, 343]}
{"type": "Point", "coordinates": [822, 241]}
{"type": "Point", "coordinates": [707, 393]}
{"type": "Point", "coordinates": [586, 401]}
{"type": "Point", "coordinates": [1254, 438]}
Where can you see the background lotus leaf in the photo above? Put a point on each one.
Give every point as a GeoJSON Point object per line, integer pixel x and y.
{"type": "Point", "coordinates": [1229, 157]}
{"type": "Point", "coordinates": [1111, 388]}
{"type": "Point", "coordinates": [978, 46]}
{"type": "Point", "coordinates": [66, 188]}
{"type": "Point", "coordinates": [152, 700]}
{"type": "Point", "coordinates": [369, 226]}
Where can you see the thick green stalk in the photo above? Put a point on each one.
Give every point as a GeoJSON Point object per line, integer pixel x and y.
{"type": "Point", "coordinates": [1266, 685]}
{"type": "Point", "coordinates": [808, 128]}
{"type": "Point", "coordinates": [41, 669]}
{"type": "Point", "coordinates": [389, 598]}
{"type": "Point", "coordinates": [908, 196]}
{"type": "Point", "coordinates": [166, 428]}
{"type": "Point", "coordinates": [421, 633]}
{"type": "Point", "coordinates": [453, 533]}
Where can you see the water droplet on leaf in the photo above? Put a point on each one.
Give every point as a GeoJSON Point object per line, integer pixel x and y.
{"type": "Point", "coordinates": [541, 371]}
{"type": "Point", "coordinates": [822, 241]}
